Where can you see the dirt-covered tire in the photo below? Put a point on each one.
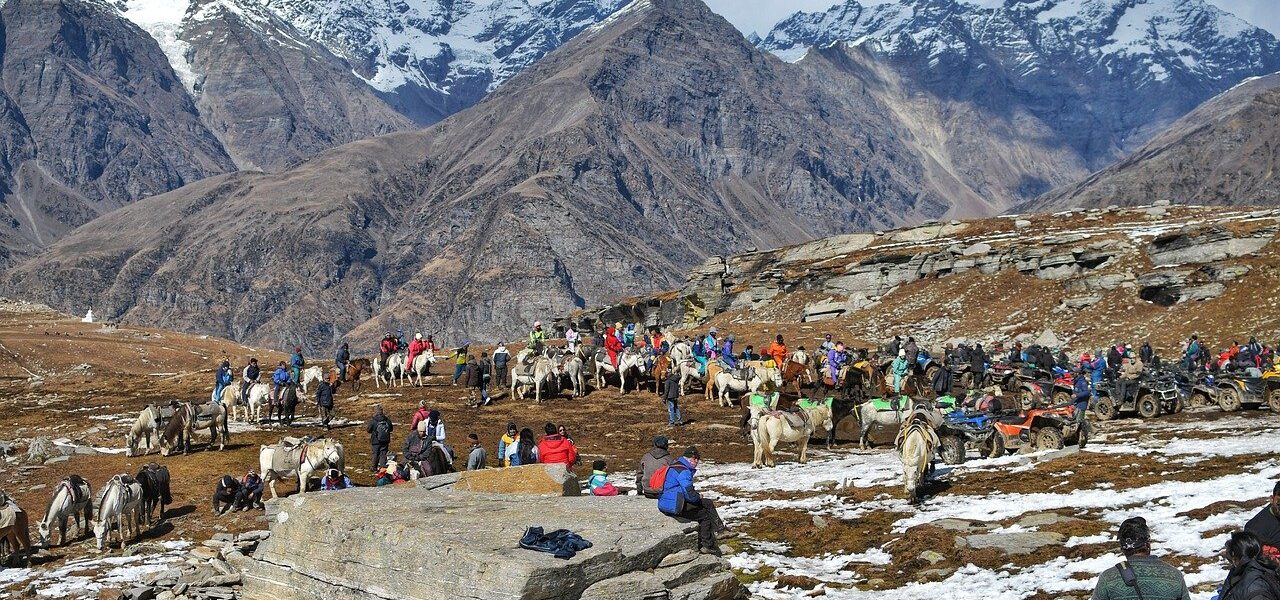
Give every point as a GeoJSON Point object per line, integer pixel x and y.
{"type": "Point", "coordinates": [1148, 406]}
{"type": "Point", "coordinates": [1229, 399]}
{"type": "Point", "coordinates": [995, 448]}
{"type": "Point", "coordinates": [952, 449]}
{"type": "Point", "coordinates": [1199, 399]}
{"type": "Point", "coordinates": [1082, 437]}
{"type": "Point", "coordinates": [1105, 408]}
{"type": "Point", "coordinates": [1273, 399]}
{"type": "Point", "coordinates": [1060, 398]}
{"type": "Point", "coordinates": [1012, 384]}
{"type": "Point", "coordinates": [966, 380]}
{"type": "Point", "coordinates": [929, 373]}
{"type": "Point", "coordinates": [1026, 399]}
{"type": "Point", "coordinates": [1179, 405]}
{"type": "Point", "coordinates": [1049, 438]}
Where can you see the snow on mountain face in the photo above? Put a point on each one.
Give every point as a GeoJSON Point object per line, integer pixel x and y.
{"type": "Point", "coordinates": [1154, 36]}
{"type": "Point", "coordinates": [459, 50]}
{"type": "Point", "coordinates": [1106, 74]}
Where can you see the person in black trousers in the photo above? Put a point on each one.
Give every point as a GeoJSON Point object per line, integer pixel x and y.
{"type": "Point", "coordinates": [380, 427]}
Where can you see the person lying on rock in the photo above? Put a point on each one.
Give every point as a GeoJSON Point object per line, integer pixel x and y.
{"type": "Point", "coordinates": [224, 494]}
{"type": "Point", "coordinates": [681, 501]}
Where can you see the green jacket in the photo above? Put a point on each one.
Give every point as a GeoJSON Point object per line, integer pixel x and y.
{"type": "Point", "coordinates": [1157, 579]}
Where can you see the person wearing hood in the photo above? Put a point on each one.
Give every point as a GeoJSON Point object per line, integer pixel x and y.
{"type": "Point", "coordinates": [416, 347]}
{"type": "Point", "coordinates": [679, 499]}
{"type": "Point", "coordinates": [727, 355]}
{"type": "Point", "coordinates": [537, 337]}
{"type": "Point", "coordinates": [379, 428]}
{"type": "Point", "coordinates": [913, 350]}
{"type": "Point", "coordinates": [500, 358]}
{"type": "Point", "coordinates": [571, 339]}
{"type": "Point", "coordinates": [613, 347]}
{"type": "Point", "coordinates": [1146, 353]}
{"type": "Point", "coordinates": [900, 368]}
{"type": "Point", "coordinates": [341, 359]}
{"type": "Point", "coordinates": [978, 364]}
{"type": "Point", "coordinates": [629, 335]}
{"type": "Point", "coordinates": [506, 442]}
{"type": "Point", "coordinates": [279, 379]}
{"type": "Point", "coordinates": [657, 456]}
{"type": "Point", "coordinates": [712, 344]}
{"type": "Point", "coordinates": [1253, 576]}
{"type": "Point", "coordinates": [296, 363]}
{"type": "Point", "coordinates": [221, 380]}
{"type": "Point", "coordinates": [556, 448]}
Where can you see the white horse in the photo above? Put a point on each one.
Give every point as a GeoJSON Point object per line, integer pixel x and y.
{"type": "Point", "coordinates": [629, 360]}
{"type": "Point", "coordinates": [392, 370]}
{"type": "Point", "coordinates": [309, 374]}
{"type": "Point", "coordinates": [146, 425]}
{"type": "Point", "coordinates": [259, 395]}
{"type": "Point", "coordinates": [119, 506]}
{"type": "Point", "coordinates": [421, 364]}
{"type": "Point", "coordinates": [538, 373]}
{"type": "Point", "coordinates": [301, 457]}
{"type": "Point", "coordinates": [755, 378]}
{"type": "Point", "coordinates": [915, 444]}
{"type": "Point", "coordinates": [688, 372]}
{"type": "Point", "coordinates": [573, 368]}
{"type": "Point", "coordinates": [72, 499]}
{"type": "Point", "coordinates": [773, 428]}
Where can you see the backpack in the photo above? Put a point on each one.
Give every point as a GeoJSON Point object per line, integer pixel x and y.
{"type": "Point", "coordinates": [383, 429]}
{"type": "Point", "coordinates": [659, 478]}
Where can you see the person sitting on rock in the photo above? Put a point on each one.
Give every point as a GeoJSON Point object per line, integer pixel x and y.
{"type": "Point", "coordinates": [335, 480]}
{"type": "Point", "coordinates": [657, 457]}
{"type": "Point", "coordinates": [224, 494]}
{"type": "Point", "coordinates": [524, 451]}
{"type": "Point", "coordinates": [680, 500]}
{"type": "Point", "coordinates": [556, 448]}
{"type": "Point", "coordinates": [250, 494]}
{"type": "Point", "coordinates": [477, 458]}
{"type": "Point", "coordinates": [599, 483]}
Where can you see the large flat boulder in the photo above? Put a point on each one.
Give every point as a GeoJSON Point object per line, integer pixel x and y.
{"type": "Point", "coordinates": [410, 543]}
{"type": "Point", "coordinates": [533, 480]}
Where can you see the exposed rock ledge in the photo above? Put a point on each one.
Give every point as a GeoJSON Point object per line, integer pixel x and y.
{"type": "Point", "coordinates": [403, 542]}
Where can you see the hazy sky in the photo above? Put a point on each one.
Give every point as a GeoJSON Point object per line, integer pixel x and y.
{"type": "Point", "coordinates": [761, 15]}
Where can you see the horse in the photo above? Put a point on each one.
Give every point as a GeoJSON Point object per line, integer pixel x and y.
{"type": "Point", "coordinates": [390, 371]}
{"type": "Point", "coordinates": [533, 371]}
{"type": "Point", "coordinates": [688, 371]}
{"type": "Point", "coordinates": [421, 366]}
{"type": "Point", "coordinates": [754, 378]}
{"type": "Point", "coordinates": [184, 423]}
{"type": "Point", "coordinates": [299, 456]}
{"type": "Point", "coordinates": [154, 480]}
{"type": "Point", "coordinates": [309, 374]}
{"type": "Point", "coordinates": [149, 422]}
{"type": "Point", "coordinates": [915, 444]}
{"type": "Point", "coordinates": [573, 368]}
{"type": "Point", "coordinates": [629, 360]}
{"type": "Point", "coordinates": [793, 371]}
{"type": "Point", "coordinates": [775, 427]}
{"type": "Point", "coordinates": [15, 533]}
{"type": "Point", "coordinates": [661, 368]}
{"type": "Point", "coordinates": [259, 395]}
{"type": "Point", "coordinates": [118, 506]}
{"type": "Point", "coordinates": [72, 499]}
{"type": "Point", "coordinates": [354, 369]}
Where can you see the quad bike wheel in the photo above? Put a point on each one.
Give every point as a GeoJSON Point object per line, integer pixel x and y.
{"type": "Point", "coordinates": [952, 450]}
{"type": "Point", "coordinates": [1027, 399]}
{"type": "Point", "coordinates": [1148, 407]}
{"type": "Point", "coordinates": [995, 447]}
{"type": "Point", "coordinates": [1061, 398]}
{"type": "Point", "coordinates": [929, 373]}
{"type": "Point", "coordinates": [1082, 437]}
{"type": "Point", "coordinates": [1273, 399]}
{"type": "Point", "coordinates": [1199, 399]}
{"type": "Point", "coordinates": [1011, 383]}
{"type": "Point", "coordinates": [1049, 438]}
{"type": "Point", "coordinates": [1105, 408]}
{"type": "Point", "coordinates": [1229, 399]}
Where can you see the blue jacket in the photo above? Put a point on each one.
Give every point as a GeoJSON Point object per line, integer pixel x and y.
{"type": "Point", "coordinates": [281, 376]}
{"type": "Point", "coordinates": [1081, 388]}
{"type": "Point", "coordinates": [679, 482]}
{"type": "Point", "coordinates": [224, 377]}
{"type": "Point", "coordinates": [343, 356]}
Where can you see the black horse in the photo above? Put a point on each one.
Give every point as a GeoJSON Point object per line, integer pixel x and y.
{"type": "Point", "coordinates": [154, 479]}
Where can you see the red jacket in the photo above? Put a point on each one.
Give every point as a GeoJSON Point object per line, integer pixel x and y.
{"type": "Point", "coordinates": [612, 344]}
{"type": "Point", "coordinates": [388, 345]}
{"type": "Point", "coordinates": [416, 347]}
{"type": "Point", "coordinates": [419, 415]}
{"type": "Point", "coordinates": [555, 448]}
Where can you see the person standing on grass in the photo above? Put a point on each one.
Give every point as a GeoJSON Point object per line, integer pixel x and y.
{"type": "Point", "coordinates": [324, 399]}
{"type": "Point", "coordinates": [671, 395]}
{"type": "Point", "coordinates": [486, 373]}
{"type": "Point", "coordinates": [1140, 576]}
{"type": "Point", "coordinates": [500, 357]}
{"type": "Point", "coordinates": [380, 428]}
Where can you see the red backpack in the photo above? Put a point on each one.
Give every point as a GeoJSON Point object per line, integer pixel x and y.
{"type": "Point", "coordinates": [659, 478]}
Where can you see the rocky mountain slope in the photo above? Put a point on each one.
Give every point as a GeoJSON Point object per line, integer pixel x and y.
{"type": "Point", "coordinates": [1100, 77]}
{"type": "Point", "coordinates": [642, 146]}
{"type": "Point", "coordinates": [1088, 277]}
{"type": "Point", "coordinates": [91, 117]}
{"type": "Point", "coordinates": [1221, 153]}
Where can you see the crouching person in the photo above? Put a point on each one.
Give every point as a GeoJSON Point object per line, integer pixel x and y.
{"type": "Point", "coordinates": [224, 495]}
{"type": "Point", "coordinates": [680, 500]}
{"type": "Point", "coordinates": [250, 494]}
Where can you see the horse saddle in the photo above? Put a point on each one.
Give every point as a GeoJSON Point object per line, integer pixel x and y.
{"type": "Point", "coordinates": [75, 487]}
{"type": "Point", "coordinates": [8, 513]}
{"type": "Point", "coordinates": [744, 374]}
{"type": "Point", "coordinates": [886, 404]}
{"type": "Point", "coordinates": [794, 419]}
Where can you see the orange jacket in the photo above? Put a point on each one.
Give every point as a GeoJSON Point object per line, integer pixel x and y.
{"type": "Point", "coordinates": [778, 352]}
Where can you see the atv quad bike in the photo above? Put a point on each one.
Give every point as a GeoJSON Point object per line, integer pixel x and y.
{"type": "Point", "coordinates": [1039, 429]}
{"type": "Point", "coordinates": [1154, 394]}
{"type": "Point", "coordinates": [1271, 385]}
{"type": "Point", "coordinates": [962, 430]}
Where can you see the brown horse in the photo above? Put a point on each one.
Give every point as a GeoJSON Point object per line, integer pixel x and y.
{"type": "Point", "coordinates": [660, 370]}
{"type": "Point", "coordinates": [354, 369]}
{"type": "Point", "coordinates": [15, 532]}
{"type": "Point", "coordinates": [792, 374]}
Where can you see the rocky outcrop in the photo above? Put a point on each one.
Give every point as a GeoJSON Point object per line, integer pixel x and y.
{"type": "Point", "coordinates": [527, 480]}
{"type": "Point", "coordinates": [462, 545]}
{"type": "Point", "coordinates": [1088, 259]}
